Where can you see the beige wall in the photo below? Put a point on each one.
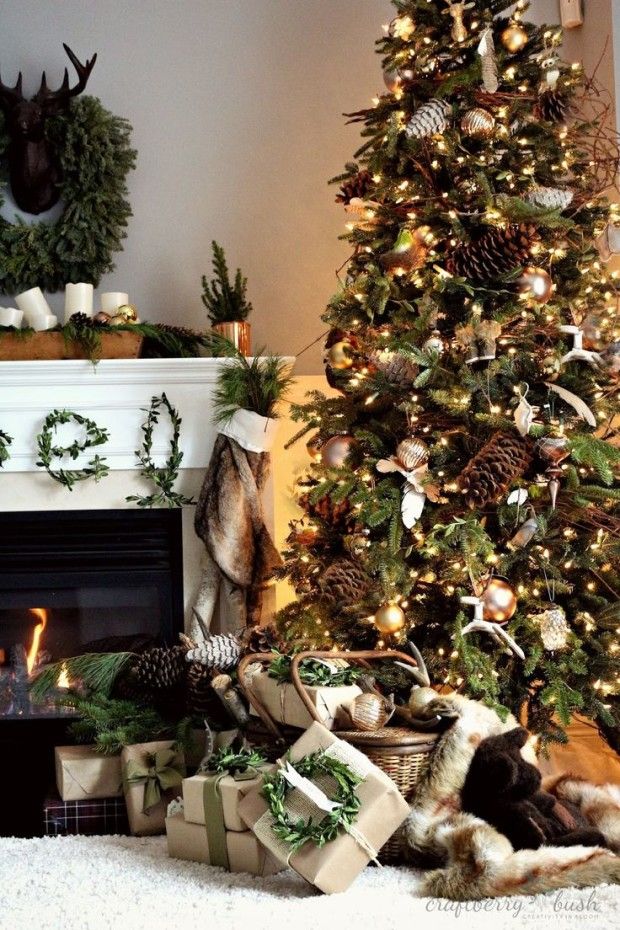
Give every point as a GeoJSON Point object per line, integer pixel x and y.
{"type": "Point", "coordinates": [236, 107]}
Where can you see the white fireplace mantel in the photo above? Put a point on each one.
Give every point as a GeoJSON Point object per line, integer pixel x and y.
{"type": "Point", "coordinates": [113, 393]}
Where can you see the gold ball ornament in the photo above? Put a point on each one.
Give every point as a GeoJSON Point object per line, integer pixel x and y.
{"type": "Point", "coordinates": [499, 601]}
{"type": "Point", "coordinates": [412, 453]}
{"type": "Point", "coordinates": [336, 450]}
{"type": "Point", "coordinates": [537, 284]}
{"type": "Point", "coordinates": [478, 123]}
{"type": "Point", "coordinates": [118, 320]}
{"type": "Point", "coordinates": [419, 698]}
{"type": "Point", "coordinates": [339, 356]}
{"type": "Point", "coordinates": [514, 38]}
{"type": "Point", "coordinates": [128, 312]}
{"type": "Point", "coordinates": [389, 618]}
{"type": "Point", "coordinates": [370, 712]}
{"type": "Point", "coordinates": [435, 343]}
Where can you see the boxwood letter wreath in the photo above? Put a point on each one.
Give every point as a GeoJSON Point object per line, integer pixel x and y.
{"type": "Point", "coordinates": [94, 436]}
{"type": "Point", "coordinates": [294, 831]}
{"type": "Point", "coordinates": [95, 156]}
{"type": "Point", "coordinates": [163, 478]}
{"type": "Point", "coordinates": [5, 442]}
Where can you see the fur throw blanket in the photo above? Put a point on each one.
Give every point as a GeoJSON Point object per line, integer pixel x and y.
{"type": "Point", "coordinates": [229, 519]}
{"type": "Point", "coordinates": [470, 859]}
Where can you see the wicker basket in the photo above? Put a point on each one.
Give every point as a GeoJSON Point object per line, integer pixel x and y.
{"type": "Point", "coordinates": [401, 753]}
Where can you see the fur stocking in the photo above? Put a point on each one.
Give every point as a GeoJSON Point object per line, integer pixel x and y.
{"type": "Point", "coordinates": [229, 519]}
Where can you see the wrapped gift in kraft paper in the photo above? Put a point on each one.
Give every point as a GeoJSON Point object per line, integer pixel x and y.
{"type": "Point", "coordinates": [152, 775]}
{"type": "Point", "coordinates": [244, 853]}
{"type": "Point", "coordinates": [83, 773]}
{"type": "Point", "coordinates": [285, 705]}
{"type": "Point", "coordinates": [334, 866]}
{"type": "Point", "coordinates": [230, 789]}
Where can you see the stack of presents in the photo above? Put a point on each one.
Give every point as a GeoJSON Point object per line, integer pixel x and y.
{"type": "Point", "coordinates": [323, 809]}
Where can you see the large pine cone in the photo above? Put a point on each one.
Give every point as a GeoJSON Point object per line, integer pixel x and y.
{"type": "Point", "coordinates": [497, 252]}
{"type": "Point", "coordinates": [344, 582]}
{"type": "Point", "coordinates": [398, 370]}
{"type": "Point", "coordinates": [490, 473]}
{"type": "Point", "coordinates": [262, 639]}
{"type": "Point", "coordinates": [552, 106]}
{"type": "Point", "coordinates": [160, 669]}
{"type": "Point", "coordinates": [221, 652]}
{"type": "Point", "coordinates": [357, 186]}
{"type": "Point", "coordinates": [201, 698]}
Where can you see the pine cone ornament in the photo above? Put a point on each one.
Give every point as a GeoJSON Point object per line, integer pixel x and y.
{"type": "Point", "coordinates": [344, 582]}
{"type": "Point", "coordinates": [497, 252]}
{"type": "Point", "coordinates": [357, 186]}
{"type": "Point", "coordinates": [335, 514]}
{"type": "Point", "coordinates": [429, 120]}
{"type": "Point", "coordinates": [552, 106]}
{"type": "Point", "coordinates": [81, 321]}
{"type": "Point", "coordinates": [160, 669]}
{"type": "Point", "coordinates": [492, 470]}
{"type": "Point", "coordinates": [262, 639]}
{"type": "Point", "coordinates": [398, 370]}
{"type": "Point", "coordinates": [551, 198]}
{"type": "Point", "coordinates": [201, 699]}
{"type": "Point", "coordinates": [221, 651]}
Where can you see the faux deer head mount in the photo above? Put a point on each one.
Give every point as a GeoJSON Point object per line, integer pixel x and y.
{"type": "Point", "coordinates": [34, 168]}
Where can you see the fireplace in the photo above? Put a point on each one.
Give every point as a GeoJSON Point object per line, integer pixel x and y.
{"type": "Point", "coordinates": [71, 582]}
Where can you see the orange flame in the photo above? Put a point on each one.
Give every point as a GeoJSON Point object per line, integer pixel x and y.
{"type": "Point", "coordinates": [33, 652]}
{"type": "Point", "coordinates": [63, 679]}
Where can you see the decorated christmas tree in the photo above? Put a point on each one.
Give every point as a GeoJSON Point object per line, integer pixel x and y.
{"type": "Point", "coordinates": [461, 492]}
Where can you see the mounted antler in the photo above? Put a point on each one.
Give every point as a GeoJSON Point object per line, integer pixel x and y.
{"type": "Point", "coordinates": [34, 171]}
{"type": "Point", "coordinates": [10, 96]}
{"type": "Point", "coordinates": [61, 97]}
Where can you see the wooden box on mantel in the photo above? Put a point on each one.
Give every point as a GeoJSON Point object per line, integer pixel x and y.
{"type": "Point", "coordinates": [54, 347]}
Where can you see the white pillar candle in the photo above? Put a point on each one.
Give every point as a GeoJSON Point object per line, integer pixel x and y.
{"type": "Point", "coordinates": [42, 321]}
{"type": "Point", "coordinates": [33, 303]}
{"type": "Point", "coordinates": [112, 300]}
{"type": "Point", "coordinates": [78, 299]}
{"type": "Point", "coordinates": [10, 317]}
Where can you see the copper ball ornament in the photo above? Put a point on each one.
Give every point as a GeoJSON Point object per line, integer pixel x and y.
{"type": "Point", "coordinates": [514, 38]}
{"type": "Point", "coordinates": [338, 356]}
{"type": "Point", "coordinates": [336, 450]}
{"type": "Point", "coordinates": [478, 123]}
{"type": "Point", "coordinates": [412, 453]}
{"type": "Point", "coordinates": [537, 284]}
{"type": "Point", "coordinates": [389, 618]}
{"type": "Point", "coordinates": [314, 447]}
{"type": "Point", "coordinates": [553, 449]}
{"type": "Point", "coordinates": [499, 600]}
{"type": "Point", "coordinates": [102, 318]}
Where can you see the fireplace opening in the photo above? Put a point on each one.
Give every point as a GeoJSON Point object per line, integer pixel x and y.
{"type": "Point", "coordinates": [83, 581]}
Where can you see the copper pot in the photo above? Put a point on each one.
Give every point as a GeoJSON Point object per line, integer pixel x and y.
{"type": "Point", "coordinates": [239, 333]}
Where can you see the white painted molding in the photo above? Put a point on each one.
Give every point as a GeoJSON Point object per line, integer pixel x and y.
{"type": "Point", "coordinates": [114, 393]}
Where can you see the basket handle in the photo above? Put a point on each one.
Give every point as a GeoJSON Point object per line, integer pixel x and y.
{"type": "Point", "coordinates": [261, 658]}
{"type": "Point", "coordinates": [361, 656]}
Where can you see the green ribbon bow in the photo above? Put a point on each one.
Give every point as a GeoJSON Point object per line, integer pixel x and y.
{"type": "Point", "coordinates": [157, 772]}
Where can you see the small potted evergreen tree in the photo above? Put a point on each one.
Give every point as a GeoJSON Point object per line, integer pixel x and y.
{"type": "Point", "coordinates": [227, 303]}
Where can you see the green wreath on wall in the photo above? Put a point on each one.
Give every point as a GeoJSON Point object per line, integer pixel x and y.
{"type": "Point", "coordinates": [95, 155]}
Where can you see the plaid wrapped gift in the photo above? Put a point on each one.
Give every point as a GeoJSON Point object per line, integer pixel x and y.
{"type": "Point", "coordinates": [100, 817]}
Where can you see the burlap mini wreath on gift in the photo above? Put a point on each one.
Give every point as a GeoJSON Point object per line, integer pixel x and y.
{"type": "Point", "coordinates": [95, 156]}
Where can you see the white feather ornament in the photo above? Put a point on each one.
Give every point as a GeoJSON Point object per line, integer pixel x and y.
{"type": "Point", "coordinates": [412, 505]}
{"type": "Point", "coordinates": [578, 405]}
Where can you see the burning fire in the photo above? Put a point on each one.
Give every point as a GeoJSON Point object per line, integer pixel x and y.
{"type": "Point", "coordinates": [33, 652]}
{"type": "Point", "coordinates": [63, 679]}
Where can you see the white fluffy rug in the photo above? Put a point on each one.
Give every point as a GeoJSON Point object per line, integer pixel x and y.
{"type": "Point", "coordinates": [122, 883]}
